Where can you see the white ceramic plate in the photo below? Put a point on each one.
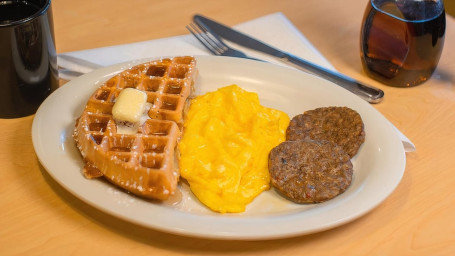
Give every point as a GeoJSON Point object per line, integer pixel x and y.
{"type": "Point", "coordinates": [378, 167]}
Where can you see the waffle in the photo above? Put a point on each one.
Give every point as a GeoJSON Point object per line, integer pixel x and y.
{"type": "Point", "coordinates": [143, 163]}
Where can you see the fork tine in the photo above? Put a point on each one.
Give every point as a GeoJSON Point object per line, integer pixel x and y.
{"type": "Point", "coordinates": [210, 40]}
{"type": "Point", "coordinates": [212, 37]}
{"type": "Point", "coordinates": [201, 38]}
{"type": "Point", "coordinates": [213, 42]}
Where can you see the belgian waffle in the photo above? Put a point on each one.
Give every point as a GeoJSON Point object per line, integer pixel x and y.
{"type": "Point", "coordinates": [142, 163]}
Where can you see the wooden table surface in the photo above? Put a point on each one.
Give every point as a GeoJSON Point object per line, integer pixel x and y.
{"type": "Point", "coordinates": [38, 217]}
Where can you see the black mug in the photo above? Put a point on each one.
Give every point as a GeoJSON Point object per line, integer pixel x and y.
{"type": "Point", "coordinates": [28, 59]}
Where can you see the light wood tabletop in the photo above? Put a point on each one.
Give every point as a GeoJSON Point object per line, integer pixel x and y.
{"type": "Point", "coordinates": [39, 217]}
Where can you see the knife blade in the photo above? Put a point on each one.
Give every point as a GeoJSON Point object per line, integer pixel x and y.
{"type": "Point", "coordinates": [368, 93]}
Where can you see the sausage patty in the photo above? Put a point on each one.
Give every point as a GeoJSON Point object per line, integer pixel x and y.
{"type": "Point", "coordinates": [308, 171]}
{"type": "Point", "coordinates": [340, 125]}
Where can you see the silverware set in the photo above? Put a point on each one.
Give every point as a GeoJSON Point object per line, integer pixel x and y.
{"type": "Point", "coordinates": [211, 34]}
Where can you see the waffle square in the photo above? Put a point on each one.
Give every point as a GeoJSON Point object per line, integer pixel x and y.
{"type": "Point", "coordinates": [143, 163]}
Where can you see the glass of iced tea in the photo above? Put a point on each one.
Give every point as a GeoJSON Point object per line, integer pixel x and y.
{"type": "Point", "coordinates": [401, 40]}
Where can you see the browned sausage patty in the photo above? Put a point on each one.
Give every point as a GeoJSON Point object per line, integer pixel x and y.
{"type": "Point", "coordinates": [308, 171]}
{"type": "Point", "coordinates": [340, 125]}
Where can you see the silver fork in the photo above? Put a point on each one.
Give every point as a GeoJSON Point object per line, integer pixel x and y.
{"type": "Point", "coordinates": [213, 43]}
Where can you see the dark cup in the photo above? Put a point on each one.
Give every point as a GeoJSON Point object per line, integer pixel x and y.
{"type": "Point", "coordinates": [28, 60]}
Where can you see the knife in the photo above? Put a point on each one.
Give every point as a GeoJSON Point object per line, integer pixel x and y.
{"type": "Point", "coordinates": [368, 93]}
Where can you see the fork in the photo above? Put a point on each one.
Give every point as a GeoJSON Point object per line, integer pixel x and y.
{"type": "Point", "coordinates": [214, 43]}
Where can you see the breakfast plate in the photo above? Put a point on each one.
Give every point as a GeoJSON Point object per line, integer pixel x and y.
{"type": "Point", "coordinates": [378, 166]}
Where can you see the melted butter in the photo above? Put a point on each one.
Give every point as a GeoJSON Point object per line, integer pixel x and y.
{"type": "Point", "coordinates": [129, 105]}
{"type": "Point", "coordinates": [123, 128]}
{"type": "Point", "coordinates": [132, 128]}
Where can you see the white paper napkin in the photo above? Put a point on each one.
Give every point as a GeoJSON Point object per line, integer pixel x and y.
{"type": "Point", "coordinates": [275, 29]}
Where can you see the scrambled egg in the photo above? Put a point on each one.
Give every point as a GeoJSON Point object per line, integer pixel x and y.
{"type": "Point", "coordinates": [224, 149]}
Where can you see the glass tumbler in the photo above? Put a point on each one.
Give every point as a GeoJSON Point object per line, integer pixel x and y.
{"type": "Point", "coordinates": [401, 40]}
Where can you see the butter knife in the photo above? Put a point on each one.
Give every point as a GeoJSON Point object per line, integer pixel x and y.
{"type": "Point", "coordinates": [368, 93]}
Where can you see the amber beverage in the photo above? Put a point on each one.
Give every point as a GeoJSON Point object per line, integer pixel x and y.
{"type": "Point", "coordinates": [402, 40]}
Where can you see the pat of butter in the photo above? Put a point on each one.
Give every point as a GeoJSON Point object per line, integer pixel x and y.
{"type": "Point", "coordinates": [130, 105]}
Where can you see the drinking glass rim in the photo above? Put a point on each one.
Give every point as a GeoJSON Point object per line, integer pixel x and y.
{"type": "Point", "coordinates": [442, 10]}
{"type": "Point", "coordinates": [41, 12]}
